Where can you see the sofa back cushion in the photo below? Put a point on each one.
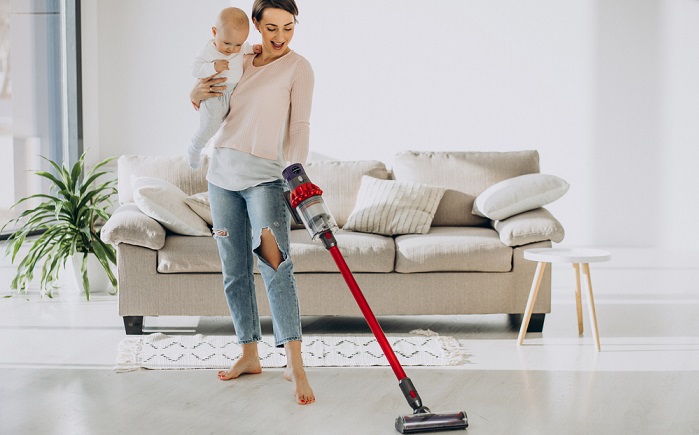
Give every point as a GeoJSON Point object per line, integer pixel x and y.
{"type": "Point", "coordinates": [174, 169]}
{"type": "Point", "coordinates": [340, 182]}
{"type": "Point", "coordinates": [465, 175]}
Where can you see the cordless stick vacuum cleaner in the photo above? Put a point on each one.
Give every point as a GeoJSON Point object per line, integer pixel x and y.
{"type": "Point", "coordinates": [308, 207]}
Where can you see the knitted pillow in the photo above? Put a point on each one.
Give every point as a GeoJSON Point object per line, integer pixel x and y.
{"type": "Point", "coordinates": [392, 207]}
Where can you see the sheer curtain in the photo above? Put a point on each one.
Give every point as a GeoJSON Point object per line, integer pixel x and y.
{"type": "Point", "coordinates": [40, 107]}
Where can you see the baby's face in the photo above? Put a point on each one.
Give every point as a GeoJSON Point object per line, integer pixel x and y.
{"type": "Point", "coordinates": [229, 39]}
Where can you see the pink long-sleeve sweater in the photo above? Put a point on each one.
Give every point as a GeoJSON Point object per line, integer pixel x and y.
{"type": "Point", "coordinates": [265, 98]}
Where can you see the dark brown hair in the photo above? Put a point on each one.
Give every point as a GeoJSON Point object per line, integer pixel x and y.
{"type": "Point", "coordinates": [260, 5]}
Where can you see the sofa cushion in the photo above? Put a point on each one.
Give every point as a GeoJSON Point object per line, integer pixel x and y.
{"type": "Point", "coordinates": [173, 169]}
{"type": "Point", "coordinates": [392, 207]}
{"type": "Point", "coordinates": [519, 194]}
{"type": "Point", "coordinates": [200, 204]}
{"type": "Point", "coordinates": [128, 224]}
{"type": "Point", "coordinates": [454, 249]}
{"type": "Point", "coordinates": [362, 252]}
{"type": "Point", "coordinates": [465, 175]}
{"type": "Point", "coordinates": [340, 183]}
{"type": "Point", "coordinates": [529, 227]}
{"type": "Point", "coordinates": [164, 202]}
{"type": "Point", "coordinates": [187, 254]}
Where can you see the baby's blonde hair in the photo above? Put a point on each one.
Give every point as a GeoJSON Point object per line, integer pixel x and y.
{"type": "Point", "coordinates": [233, 17]}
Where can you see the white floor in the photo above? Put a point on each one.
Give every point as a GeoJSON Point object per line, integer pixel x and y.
{"type": "Point", "coordinates": [57, 357]}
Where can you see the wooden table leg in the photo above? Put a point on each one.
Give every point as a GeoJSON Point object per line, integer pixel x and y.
{"type": "Point", "coordinates": [591, 300]}
{"type": "Point", "coordinates": [540, 267]}
{"type": "Point", "coordinates": [578, 299]}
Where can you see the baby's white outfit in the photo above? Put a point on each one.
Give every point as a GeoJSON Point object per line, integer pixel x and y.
{"type": "Point", "coordinates": [213, 111]}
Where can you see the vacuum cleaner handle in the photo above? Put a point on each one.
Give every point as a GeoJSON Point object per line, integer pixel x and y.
{"type": "Point", "coordinates": [406, 385]}
{"type": "Point", "coordinates": [366, 311]}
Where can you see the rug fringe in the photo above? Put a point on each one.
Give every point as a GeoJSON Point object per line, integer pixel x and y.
{"type": "Point", "coordinates": [129, 355]}
{"type": "Point", "coordinates": [456, 354]}
{"type": "Point", "coordinates": [424, 332]}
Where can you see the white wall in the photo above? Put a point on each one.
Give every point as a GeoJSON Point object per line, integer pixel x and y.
{"type": "Point", "coordinates": [606, 90]}
{"type": "Point", "coordinates": [679, 121]}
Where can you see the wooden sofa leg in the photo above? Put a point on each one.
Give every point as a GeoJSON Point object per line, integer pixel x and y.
{"type": "Point", "coordinates": [536, 322]}
{"type": "Point", "coordinates": [134, 325]}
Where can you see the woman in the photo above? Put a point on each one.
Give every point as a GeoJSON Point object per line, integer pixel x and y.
{"type": "Point", "coordinates": [268, 126]}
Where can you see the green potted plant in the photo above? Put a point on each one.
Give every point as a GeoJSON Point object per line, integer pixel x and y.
{"type": "Point", "coordinates": [66, 222]}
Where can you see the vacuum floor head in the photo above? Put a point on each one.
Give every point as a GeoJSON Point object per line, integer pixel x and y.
{"type": "Point", "coordinates": [430, 422]}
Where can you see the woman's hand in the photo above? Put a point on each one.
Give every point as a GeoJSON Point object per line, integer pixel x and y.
{"type": "Point", "coordinates": [206, 88]}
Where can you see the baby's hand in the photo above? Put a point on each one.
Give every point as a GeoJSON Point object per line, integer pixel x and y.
{"type": "Point", "coordinates": [194, 156]}
{"type": "Point", "coordinates": [221, 65]}
{"type": "Point", "coordinates": [257, 48]}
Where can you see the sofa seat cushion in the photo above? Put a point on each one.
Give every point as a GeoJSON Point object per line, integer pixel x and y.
{"type": "Point", "coordinates": [362, 252]}
{"type": "Point", "coordinates": [454, 249]}
{"type": "Point", "coordinates": [189, 254]}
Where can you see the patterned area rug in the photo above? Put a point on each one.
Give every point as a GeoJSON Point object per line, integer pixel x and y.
{"type": "Point", "coordinates": [167, 352]}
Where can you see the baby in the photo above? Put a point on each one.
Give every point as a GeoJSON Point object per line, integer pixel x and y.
{"type": "Point", "coordinates": [222, 55]}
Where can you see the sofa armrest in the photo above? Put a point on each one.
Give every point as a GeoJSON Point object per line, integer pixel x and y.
{"type": "Point", "coordinates": [128, 224]}
{"type": "Point", "coordinates": [529, 227]}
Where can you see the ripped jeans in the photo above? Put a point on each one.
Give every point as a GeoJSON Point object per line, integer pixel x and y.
{"type": "Point", "coordinates": [239, 218]}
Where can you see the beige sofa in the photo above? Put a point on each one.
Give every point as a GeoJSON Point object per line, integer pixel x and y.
{"type": "Point", "coordinates": [465, 264]}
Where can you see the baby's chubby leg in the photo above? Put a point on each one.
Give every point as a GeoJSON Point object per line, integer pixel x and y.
{"type": "Point", "coordinates": [212, 112]}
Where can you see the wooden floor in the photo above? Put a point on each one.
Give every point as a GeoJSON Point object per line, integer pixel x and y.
{"type": "Point", "coordinates": [57, 357]}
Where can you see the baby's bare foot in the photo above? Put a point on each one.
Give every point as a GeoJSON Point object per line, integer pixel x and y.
{"type": "Point", "coordinates": [302, 389]}
{"type": "Point", "coordinates": [247, 366]}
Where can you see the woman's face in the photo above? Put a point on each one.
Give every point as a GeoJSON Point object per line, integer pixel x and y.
{"type": "Point", "coordinates": [277, 30]}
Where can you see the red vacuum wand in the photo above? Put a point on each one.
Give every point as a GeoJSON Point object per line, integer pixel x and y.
{"type": "Point", "coordinates": [307, 206]}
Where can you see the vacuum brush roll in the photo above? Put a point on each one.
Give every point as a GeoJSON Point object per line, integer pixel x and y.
{"type": "Point", "coordinates": [429, 422]}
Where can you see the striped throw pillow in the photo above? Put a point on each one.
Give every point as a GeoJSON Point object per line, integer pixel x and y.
{"type": "Point", "coordinates": [391, 207]}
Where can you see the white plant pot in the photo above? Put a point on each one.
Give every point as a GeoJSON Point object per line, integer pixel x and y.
{"type": "Point", "coordinates": [96, 275]}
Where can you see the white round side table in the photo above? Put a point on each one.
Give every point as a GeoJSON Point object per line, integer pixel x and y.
{"type": "Point", "coordinates": [580, 258]}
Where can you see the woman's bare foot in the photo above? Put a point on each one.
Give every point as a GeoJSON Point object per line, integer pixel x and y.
{"type": "Point", "coordinates": [302, 389]}
{"type": "Point", "coordinates": [295, 373]}
{"type": "Point", "coordinates": [248, 363]}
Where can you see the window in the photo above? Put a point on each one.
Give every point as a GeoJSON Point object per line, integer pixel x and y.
{"type": "Point", "coordinates": [6, 164]}
{"type": "Point", "coordinates": [40, 112]}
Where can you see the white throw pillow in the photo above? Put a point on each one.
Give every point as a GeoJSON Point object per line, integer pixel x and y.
{"type": "Point", "coordinates": [519, 194]}
{"type": "Point", "coordinates": [199, 203]}
{"type": "Point", "coordinates": [392, 207]}
{"type": "Point", "coordinates": [164, 202]}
